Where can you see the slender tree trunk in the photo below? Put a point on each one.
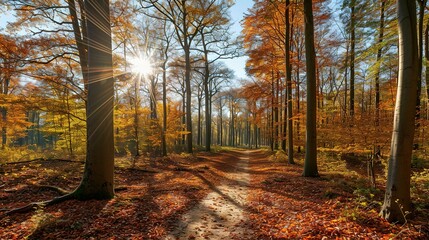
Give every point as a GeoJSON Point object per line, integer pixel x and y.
{"type": "Point", "coordinates": [4, 128]}
{"type": "Point", "coordinates": [220, 122]}
{"type": "Point", "coordinates": [397, 200]}
{"type": "Point", "coordinates": [69, 129]}
{"type": "Point", "coordinates": [427, 56]}
{"type": "Point", "coordinates": [377, 75]}
{"type": "Point", "coordinates": [184, 117]}
{"type": "Point", "coordinates": [188, 97]}
{"type": "Point", "coordinates": [5, 91]}
{"type": "Point", "coordinates": [310, 163]}
{"type": "Point", "coordinates": [276, 114]}
{"type": "Point", "coordinates": [136, 116]}
{"type": "Point", "coordinates": [164, 108]}
{"type": "Point", "coordinates": [352, 57]}
{"type": "Point", "coordinates": [80, 34]}
{"type": "Point", "coordinates": [289, 88]}
{"type": "Point", "coordinates": [97, 181]}
{"type": "Point", "coordinates": [199, 134]}
{"type": "Point", "coordinates": [422, 6]}
{"type": "Point", "coordinates": [207, 98]}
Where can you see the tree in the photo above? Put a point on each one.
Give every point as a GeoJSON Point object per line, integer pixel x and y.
{"type": "Point", "coordinates": [377, 75]}
{"type": "Point", "coordinates": [165, 49]}
{"type": "Point", "coordinates": [288, 104]}
{"type": "Point", "coordinates": [397, 200]}
{"type": "Point", "coordinates": [187, 17]}
{"type": "Point", "coordinates": [97, 181]}
{"type": "Point", "coordinates": [216, 44]}
{"type": "Point", "coordinates": [310, 163]}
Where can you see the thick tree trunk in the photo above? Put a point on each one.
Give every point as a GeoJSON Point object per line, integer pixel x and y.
{"type": "Point", "coordinates": [397, 200]}
{"type": "Point", "coordinates": [310, 163]}
{"type": "Point", "coordinates": [97, 182]}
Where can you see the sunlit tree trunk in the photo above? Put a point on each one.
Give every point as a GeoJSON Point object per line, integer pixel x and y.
{"type": "Point", "coordinates": [310, 163]}
{"type": "Point", "coordinates": [397, 197]}
{"type": "Point", "coordinates": [97, 180]}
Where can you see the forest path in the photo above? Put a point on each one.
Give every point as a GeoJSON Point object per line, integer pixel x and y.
{"type": "Point", "coordinates": [221, 213]}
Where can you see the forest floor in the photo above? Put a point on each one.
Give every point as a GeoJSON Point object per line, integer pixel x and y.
{"type": "Point", "coordinates": [231, 194]}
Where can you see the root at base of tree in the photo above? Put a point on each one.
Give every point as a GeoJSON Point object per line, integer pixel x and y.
{"type": "Point", "coordinates": [36, 205]}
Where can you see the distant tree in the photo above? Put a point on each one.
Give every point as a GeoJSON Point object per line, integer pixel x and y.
{"type": "Point", "coordinates": [187, 17]}
{"type": "Point", "coordinates": [310, 163]}
{"type": "Point", "coordinates": [397, 200]}
{"type": "Point", "coordinates": [165, 49]}
{"type": "Point", "coordinates": [379, 52]}
{"type": "Point", "coordinates": [215, 43]}
{"type": "Point", "coordinates": [12, 50]}
{"type": "Point", "coordinates": [422, 7]}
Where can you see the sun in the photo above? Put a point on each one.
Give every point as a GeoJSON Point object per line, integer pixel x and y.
{"type": "Point", "coordinates": [141, 65]}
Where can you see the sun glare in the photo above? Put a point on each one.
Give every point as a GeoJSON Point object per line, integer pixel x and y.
{"type": "Point", "coordinates": [141, 66]}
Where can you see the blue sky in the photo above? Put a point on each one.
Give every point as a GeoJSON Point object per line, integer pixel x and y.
{"type": "Point", "coordinates": [237, 14]}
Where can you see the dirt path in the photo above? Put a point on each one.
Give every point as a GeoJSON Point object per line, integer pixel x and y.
{"type": "Point", "coordinates": [221, 213]}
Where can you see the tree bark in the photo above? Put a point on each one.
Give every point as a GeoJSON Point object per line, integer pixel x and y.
{"type": "Point", "coordinates": [289, 88]}
{"type": "Point", "coordinates": [310, 163]}
{"type": "Point", "coordinates": [352, 57]}
{"type": "Point", "coordinates": [97, 181]}
{"type": "Point", "coordinates": [377, 75]}
{"type": "Point", "coordinates": [397, 200]}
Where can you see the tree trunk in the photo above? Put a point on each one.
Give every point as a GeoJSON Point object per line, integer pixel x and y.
{"type": "Point", "coordinates": [427, 56]}
{"type": "Point", "coordinates": [310, 163]}
{"type": "Point", "coordinates": [80, 35]}
{"type": "Point", "coordinates": [352, 57]}
{"type": "Point", "coordinates": [199, 134]}
{"type": "Point", "coordinates": [422, 6]}
{"type": "Point", "coordinates": [136, 115]}
{"type": "Point", "coordinates": [397, 200]}
{"type": "Point", "coordinates": [377, 75]}
{"type": "Point", "coordinates": [164, 109]}
{"type": "Point", "coordinates": [5, 91]}
{"type": "Point", "coordinates": [288, 89]}
{"type": "Point", "coordinates": [97, 181]}
{"type": "Point", "coordinates": [188, 95]}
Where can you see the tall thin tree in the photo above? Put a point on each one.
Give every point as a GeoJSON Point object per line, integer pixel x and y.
{"type": "Point", "coordinates": [397, 200]}
{"type": "Point", "coordinates": [310, 163]}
